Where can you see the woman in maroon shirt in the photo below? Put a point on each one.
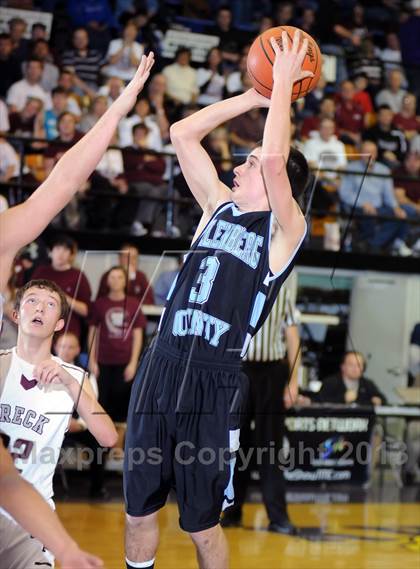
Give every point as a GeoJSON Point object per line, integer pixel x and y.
{"type": "Point", "coordinates": [115, 341]}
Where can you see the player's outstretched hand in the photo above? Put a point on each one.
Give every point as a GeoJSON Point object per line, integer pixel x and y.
{"type": "Point", "coordinates": [288, 61]}
{"type": "Point", "coordinates": [78, 559]}
{"type": "Point", "coordinates": [127, 99]}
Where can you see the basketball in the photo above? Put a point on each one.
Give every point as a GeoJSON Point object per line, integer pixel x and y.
{"type": "Point", "coordinates": [261, 57]}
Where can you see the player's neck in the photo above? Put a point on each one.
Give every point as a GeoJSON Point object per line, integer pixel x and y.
{"type": "Point", "coordinates": [33, 350]}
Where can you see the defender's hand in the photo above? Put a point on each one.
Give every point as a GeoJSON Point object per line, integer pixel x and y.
{"type": "Point", "coordinates": [127, 99]}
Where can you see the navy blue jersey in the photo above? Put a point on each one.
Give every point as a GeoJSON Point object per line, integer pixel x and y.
{"type": "Point", "coordinates": [225, 289]}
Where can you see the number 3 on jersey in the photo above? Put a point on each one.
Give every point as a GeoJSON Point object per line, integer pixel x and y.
{"type": "Point", "coordinates": [200, 292]}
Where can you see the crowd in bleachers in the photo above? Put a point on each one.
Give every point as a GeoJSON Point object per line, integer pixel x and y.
{"type": "Point", "coordinates": [53, 87]}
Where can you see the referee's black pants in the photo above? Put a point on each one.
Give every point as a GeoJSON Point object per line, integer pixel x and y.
{"type": "Point", "coordinates": [267, 381]}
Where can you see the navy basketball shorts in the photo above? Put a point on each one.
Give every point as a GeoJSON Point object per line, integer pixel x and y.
{"type": "Point", "coordinates": [182, 434]}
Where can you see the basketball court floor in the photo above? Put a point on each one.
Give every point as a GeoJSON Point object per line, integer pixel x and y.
{"type": "Point", "coordinates": [339, 528]}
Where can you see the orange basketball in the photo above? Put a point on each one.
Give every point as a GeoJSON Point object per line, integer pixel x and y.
{"type": "Point", "coordinates": [261, 57]}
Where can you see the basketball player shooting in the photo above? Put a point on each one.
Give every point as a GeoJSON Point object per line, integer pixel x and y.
{"type": "Point", "coordinates": [189, 389]}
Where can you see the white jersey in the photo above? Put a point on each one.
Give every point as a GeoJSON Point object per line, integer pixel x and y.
{"type": "Point", "coordinates": [36, 420]}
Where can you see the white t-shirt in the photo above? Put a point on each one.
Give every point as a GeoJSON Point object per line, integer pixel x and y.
{"type": "Point", "coordinates": [326, 154]}
{"type": "Point", "coordinates": [4, 117]}
{"type": "Point", "coordinates": [20, 91]}
{"type": "Point", "coordinates": [214, 91]}
{"type": "Point", "coordinates": [111, 163]}
{"type": "Point", "coordinates": [123, 68]}
{"type": "Point", "coordinates": [125, 132]}
{"type": "Point", "coordinates": [8, 157]}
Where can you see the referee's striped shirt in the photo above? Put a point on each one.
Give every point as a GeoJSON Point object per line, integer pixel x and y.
{"type": "Point", "coordinates": [269, 342]}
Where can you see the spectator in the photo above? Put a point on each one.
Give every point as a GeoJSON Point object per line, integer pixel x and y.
{"type": "Point", "coordinates": [349, 385]}
{"type": "Point", "coordinates": [410, 50]}
{"type": "Point", "coordinates": [391, 143]}
{"type": "Point", "coordinates": [67, 81]}
{"type": "Point", "coordinates": [234, 79]}
{"type": "Point", "coordinates": [393, 95]}
{"type": "Point", "coordinates": [73, 281]}
{"type": "Point", "coordinates": [137, 284]}
{"type": "Point", "coordinates": [351, 31]}
{"type": "Point", "coordinates": [391, 54]}
{"type": "Point", "coordinates": [97, 17]}
{"type": "Point", "coordinates": [210, 79]}
{"type": "Point", "coordinates": [366, 61]}
{"type": "Point", "coordinates": [181, 78]}
{"type": "Point", "coordinates": [8, 335]}
{"type": "Point", "coordinates": [245, 131]}
{"type": "Point", "coordinates": [38, 32]}
{"type": "Point", "coordinates": [124, 54]}
{"type": "Point", "coordinates": [97, 108]}
{"type": "Point", "coordinates": [144, 174]}
{"type": "Point", "coordinates": [112, 89]}
{"type": "Point", "coordinates": [85, 62]}
{"type": "Point", "coordinates": [17, 29]}
{"type": "Point", "coordinates": [9, 66]}
{"type": "Point", "coordinates": [324, 150]}
{"type": "Point", "coordinates": [407, 190]}
{"type": "Point", "coordinates": [311, 124]}
{"type": "Point", "coordinates": [27, 122]}
{"type": "Point", "coordinates": [60, 104]}
{"type": "Point", "coordinates": [349, 115]}
{"type": "Point", "coordinates": [50, 73]}
{"type": "Point", "coordinates": [375, 197]}
{"type": "Point", "coordinates": [362, 96]}
{"type": "Point", "coordinates": [310, 104]}
{"type": "Point", "coordinates": [284, 14]}
{"type": "Point", "coordinates": [217, 146]}
{"type": "Point", "coordinates": [230, 38]}
{"type": "Point", "coordinates": [67, 136]}
{"type": "Point", "coordinates": [141, 115]}
{"type": "Point", "coordinates": [406, 120]}
{"type": "Point", "coordinates": [30, 86]}
{"type": "Point", "coordinates": [9, 161]}
{"type": "Point", "coordinates": [115, 342]}
{"type": "Point", "coordinates": [164, 282]}
{"type": "Point", "coordinates": [163, 107]}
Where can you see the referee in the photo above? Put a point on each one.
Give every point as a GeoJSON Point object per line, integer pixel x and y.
{"type": "Point", "coordinates": [271, 365]}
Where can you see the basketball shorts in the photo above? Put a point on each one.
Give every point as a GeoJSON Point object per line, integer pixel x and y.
{"type": "Point", "coordinates": [182, 434]}
{"type": "Point", "coordinates": [19, 550]}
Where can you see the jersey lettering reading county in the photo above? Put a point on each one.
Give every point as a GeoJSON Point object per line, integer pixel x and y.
{"type": "Point", "coordinates": [20, 416]}
{"type": "Point", "coordinates": [196, 323]}
{"type": "Point", "coordinates": [234, 239]}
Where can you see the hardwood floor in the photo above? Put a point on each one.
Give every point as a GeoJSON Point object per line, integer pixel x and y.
{"type": "Point", "coordinates": [335, 536]}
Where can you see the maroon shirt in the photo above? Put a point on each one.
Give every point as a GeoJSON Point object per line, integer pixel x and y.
{"type": "Point", "coordinates": [139, 167]}
{"type": "Point", "coordinates": [116, 320]}
{"type": "Point", "coordinates": [411, 187]}
{"type": "Point", "coordinates": [136, 287]}
{"type": "Point", "coordinates": [74, 283]}
{"type": "Point", "coordinates": [56, 148]}
{"type": "Point", "coordinates": [349, 116]}
{"type": "Point", "coordinates": [404, 123]}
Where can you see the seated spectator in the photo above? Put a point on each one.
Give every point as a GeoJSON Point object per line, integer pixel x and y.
{"type": "Point", "coordinates": [17, 30]}
{"type": "Point", "coordinates": [351, 31]}
{"type": "Point", "coordinates": [245, 131]}
{"type": "Point", "coordinates": [164, 282]}
{"type": "Point", "coordinates": [10, 70]}
{"type": "Point", "coordinates": [284, 14]}
{"type": "Point", "coordinates": [73, 281]}
{"type": "Point", "coordinates": [144, 175]}
{"type": "Point", "coordinates": [407, 190]}
{"type": "Point", "coordinates": [85, 62]}
{"type": "Point", "coordinates": [406, 120]}
{"type": "Point", "coordinates": [165, 111]}
{"type": "Point", "coordinates": [124, 54]}
{"type": "Point", "coordinates": [391, 53]}
{"type": "Point", "coordinates": [142, 115]}
{"type": "Point", "coordinates": [390, 141]}
{"type": "Point", "coordinates": [97, 108]}
{"type": "Point", "coordinates": [137, 283]}
{"type": "Point", "coordinates": [38, 32]}
{"type": "Point", "coordinates": [324, 150]}
{"type": "Point", "coordinates": [375, 196]}
{"type": "Point", "coordinates": [30, 86]}
{"type": "Point", "coordinates": [96, 17]}
{"type": "Point", "coordinates": [28, 121]}
{"type": "Point", "coordinates": [312, 101]}
{"type": "Point", "coordinates": [234, 79]}
{"type": "Point", "coordinates": [115, 343]}
{"type": "Point", "coordinates": [349, 385]}
{"type": "Point", "coordinates": [210, 79]}
{"type": "Point", "coordinates": [68, 81]}
{"type": "Point", "coordinates": [60, 104]}
{"type": "Point", "coordinates": [366, 61]}
{"type": "Point", "coordinates": [181, 78]}
{"type": "Point", "coordinates": [349, 115]}
{"type": "Point", "coordinates": [112, 89]}
{"type": "Point", "coordinates": [231, 39]}
{"type": "Point", "coordinates": [67, 136]}
{"type": "Point", "coordinates": [9, 161]}
{"type": "Point", "coordinates": [361, 94]}
{"type": "Point", "coordinates": [311, 124]}
{"type": "Point", "coordinates": [393, 95]}
{"type": "Point", "coordinates": [50, 73]}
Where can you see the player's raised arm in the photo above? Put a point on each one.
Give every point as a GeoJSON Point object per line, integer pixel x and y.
{"type": "Point", "coordinates": [196, 165]}
{"type": "Point", "coordinates": [22, 224]}
{"type": "Point", "coordinates": [287, 69]}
